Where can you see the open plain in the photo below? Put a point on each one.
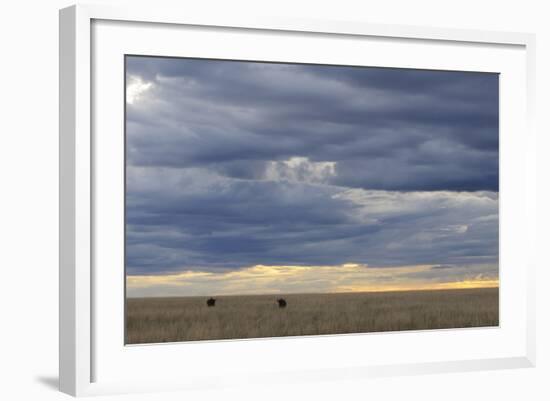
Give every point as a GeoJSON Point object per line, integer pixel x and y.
{"type": "Point", "coordinates": [154, 320]}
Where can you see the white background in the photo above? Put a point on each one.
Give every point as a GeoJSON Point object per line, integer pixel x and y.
{"type": "Point", "coordinates": [29, 184]}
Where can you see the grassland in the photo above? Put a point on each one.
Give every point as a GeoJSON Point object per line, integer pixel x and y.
{"type": "Point", "coordinates": [153, 320]}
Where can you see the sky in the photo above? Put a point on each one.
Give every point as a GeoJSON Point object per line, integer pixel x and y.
{"type": "Point", "coordinates": [256, 178]}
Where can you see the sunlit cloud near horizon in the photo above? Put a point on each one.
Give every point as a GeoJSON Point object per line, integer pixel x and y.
{"type": "Point", "coordinates": [259, 178]}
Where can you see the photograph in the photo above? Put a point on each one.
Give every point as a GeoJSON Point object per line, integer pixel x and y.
{"type": "Point", "coordinates": [272, 199]}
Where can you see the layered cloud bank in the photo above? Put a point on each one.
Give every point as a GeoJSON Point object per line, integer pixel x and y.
{"type": "Point", "coordinates": [193, 219]}
{"type": "Point", "coordinates": [237, 168]}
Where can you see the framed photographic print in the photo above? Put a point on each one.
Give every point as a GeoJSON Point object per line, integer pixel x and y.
{"type": "Point", "coordinates": [305, 199]}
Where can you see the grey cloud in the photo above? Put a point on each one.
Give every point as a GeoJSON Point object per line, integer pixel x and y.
{"type": "Point", "coordinates": [431, 127]}
{"type": "Point", "coordinates": [210, 186]}
{"type": "Point", "coordinates": [200, 220]}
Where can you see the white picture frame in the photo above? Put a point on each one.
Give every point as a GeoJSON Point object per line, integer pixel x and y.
{"type": "Point", "coordinates": [85, 347]}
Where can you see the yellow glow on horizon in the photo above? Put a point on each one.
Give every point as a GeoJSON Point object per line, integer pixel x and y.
{"type": "Point", "coordinates": [270, 279]}
{"type": "Point", "coordinates": [149, 280]}
{"type": "Point", "coordinates": [452, 285]}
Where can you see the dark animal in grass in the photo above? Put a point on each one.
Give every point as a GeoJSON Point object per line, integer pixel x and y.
{"type": "Point", "coordinates": [281, 302]}
{"type": "Point", "coordinates": [210, 302]}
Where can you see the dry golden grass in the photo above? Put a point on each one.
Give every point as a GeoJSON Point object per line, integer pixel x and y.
{"type": "Point", "coordinates": [152, 320]}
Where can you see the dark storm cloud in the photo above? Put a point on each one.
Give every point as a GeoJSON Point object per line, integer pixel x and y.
{"type": "Point", "coordinates": [425, 129]}
{"type": "Point", "coordinates": [195, 219]}
{"type": "Point", "coordinates": [232, 164]}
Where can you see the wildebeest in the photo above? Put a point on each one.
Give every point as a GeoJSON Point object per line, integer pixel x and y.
{"type": "Point", "coordinates": [211, 302]}
{"type": "Point", "coordinates": [281, 302]}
